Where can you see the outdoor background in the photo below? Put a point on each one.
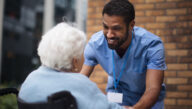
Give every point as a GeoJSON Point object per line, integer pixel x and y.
{"type": "Point", "coordinates": [24, 21]}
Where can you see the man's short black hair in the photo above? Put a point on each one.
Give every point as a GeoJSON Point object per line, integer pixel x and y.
{"type": "Point", "coordinates": [120, 8]}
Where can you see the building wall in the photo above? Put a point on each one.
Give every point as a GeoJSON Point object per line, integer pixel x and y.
{"type": "Point", "coordinates": [172, 21]}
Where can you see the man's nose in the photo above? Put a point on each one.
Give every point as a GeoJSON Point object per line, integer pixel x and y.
{"type": "Point", "coordinates": [110, 34]}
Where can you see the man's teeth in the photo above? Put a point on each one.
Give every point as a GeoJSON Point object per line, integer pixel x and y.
{"type": "Point", "coordinates": [111, 40]}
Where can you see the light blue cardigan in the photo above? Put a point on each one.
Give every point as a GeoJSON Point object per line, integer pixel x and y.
{"type": "Point", "coordinates": [45, 81]}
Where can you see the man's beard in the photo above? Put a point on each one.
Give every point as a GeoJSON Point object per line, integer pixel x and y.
{"type": "Point", "coordinates": [120, 41]}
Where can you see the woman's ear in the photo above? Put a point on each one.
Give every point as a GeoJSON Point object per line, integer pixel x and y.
{"type": "Point", "coordinates": [75, 65]}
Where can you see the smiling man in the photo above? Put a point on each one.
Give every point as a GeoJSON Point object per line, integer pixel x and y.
{"type": "Point", "coordinates": [133, 58]}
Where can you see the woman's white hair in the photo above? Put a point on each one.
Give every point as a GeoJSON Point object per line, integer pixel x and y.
{"type": "Point", "coordinates": [60, 45]}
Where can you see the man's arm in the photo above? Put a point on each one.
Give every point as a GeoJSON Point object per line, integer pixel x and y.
{"type": "Point", "coordinates": [154, 80]}
{"type": "Point", "coordinates": [87, 70]}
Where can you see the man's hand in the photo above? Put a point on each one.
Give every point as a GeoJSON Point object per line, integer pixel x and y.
{"type": "Point", "coordinates": [128, 107]}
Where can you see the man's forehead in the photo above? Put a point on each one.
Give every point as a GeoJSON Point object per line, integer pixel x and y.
{"type": "Point", "coordinates": [113, 20]}
{"type": "Point", "coordinates": [112, 25]}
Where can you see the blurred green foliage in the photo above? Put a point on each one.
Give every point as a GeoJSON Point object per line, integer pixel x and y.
{"type": "Point", "coordinates": [8, 101]}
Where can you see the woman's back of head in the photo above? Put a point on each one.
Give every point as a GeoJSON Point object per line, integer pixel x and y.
{"type": "Point", "coordinates": [60, 45]}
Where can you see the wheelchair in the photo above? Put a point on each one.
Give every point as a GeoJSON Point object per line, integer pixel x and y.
{"type": "Point", "coordinates": [58, 100]}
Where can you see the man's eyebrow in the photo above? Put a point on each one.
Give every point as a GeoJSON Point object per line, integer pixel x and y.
{"type": "Point", "coordinates": [116, 27]}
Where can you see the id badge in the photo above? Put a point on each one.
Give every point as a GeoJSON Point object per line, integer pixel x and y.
{"type": "Point", "coordinates": [115, 97]}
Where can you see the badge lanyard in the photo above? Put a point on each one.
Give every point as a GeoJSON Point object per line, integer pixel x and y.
{"type": "Point", "coordinates": [123, 68]}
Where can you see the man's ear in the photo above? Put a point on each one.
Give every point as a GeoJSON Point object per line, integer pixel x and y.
{"type": "Point", "coordinates": [132, 24]}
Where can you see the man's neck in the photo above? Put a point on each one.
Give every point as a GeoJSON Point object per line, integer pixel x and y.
{"type": "Point", "coordinates": [121, 52]}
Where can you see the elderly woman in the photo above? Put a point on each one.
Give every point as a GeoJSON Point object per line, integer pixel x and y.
{"type": "Point", "coordinates": [60, 52]}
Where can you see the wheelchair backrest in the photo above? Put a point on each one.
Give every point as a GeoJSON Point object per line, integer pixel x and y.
{"type": "Point", "coordinates": [58, 100]}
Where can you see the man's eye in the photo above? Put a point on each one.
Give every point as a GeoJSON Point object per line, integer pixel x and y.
{"type": "Point", "coordinates": [116, 28]}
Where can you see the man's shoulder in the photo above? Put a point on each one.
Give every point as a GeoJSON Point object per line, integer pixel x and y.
{"type": "Point", "coordinates": [143, 34]}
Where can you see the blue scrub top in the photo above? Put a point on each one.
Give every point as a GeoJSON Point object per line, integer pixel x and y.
{"type": "Point", "coordinates": [146, 52]}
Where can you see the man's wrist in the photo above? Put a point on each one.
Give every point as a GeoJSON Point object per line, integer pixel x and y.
{"type": "Point", "coordinates": [128, 107]}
